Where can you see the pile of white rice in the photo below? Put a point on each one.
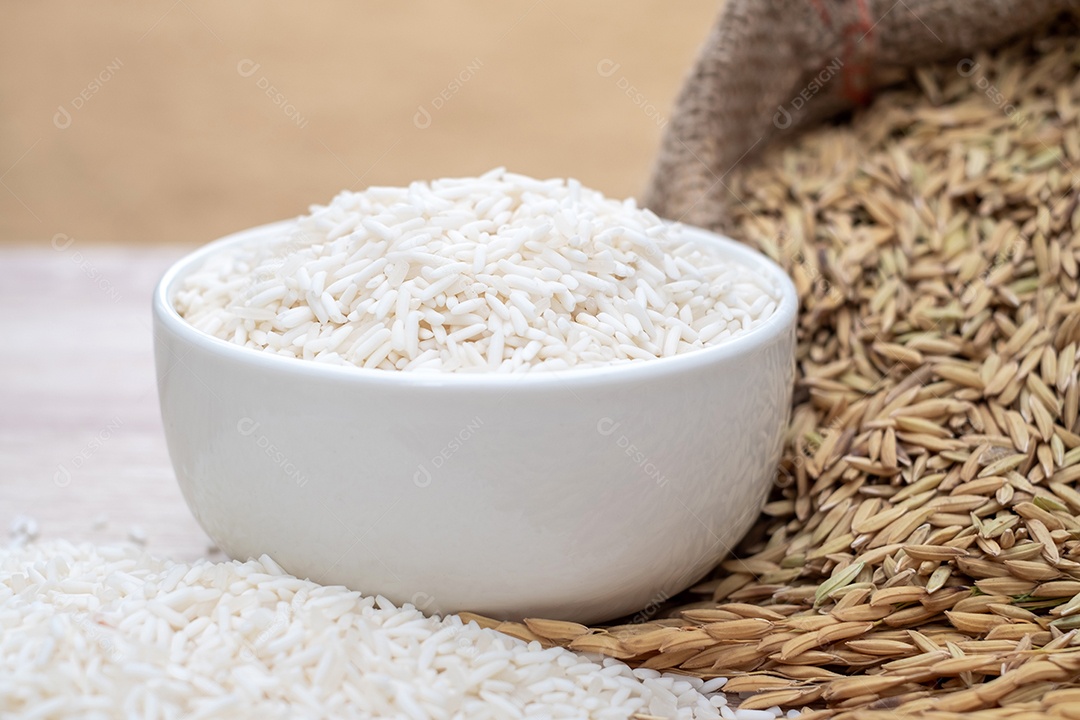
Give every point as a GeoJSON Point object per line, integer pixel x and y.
{"type": "Point", "coordinates": [111, 631]}
{"type": "Point", "coordinates": [499, 273]}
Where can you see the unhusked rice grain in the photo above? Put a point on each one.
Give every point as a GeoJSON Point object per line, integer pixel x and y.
{"type": "Point", "coordinates": [112, 631]}
{"type": "Point", "coordinates": [920, 556]}
{"type": "Point", "coordinates": [500, 273]}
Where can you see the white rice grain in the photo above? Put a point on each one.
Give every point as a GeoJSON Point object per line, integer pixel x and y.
{"type": "Point", "coordinates": [232, 639]}
{"type": "Point", "coordinates": [538, 255]}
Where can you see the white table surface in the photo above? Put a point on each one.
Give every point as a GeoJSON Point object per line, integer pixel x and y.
{"type": "Point", "coordinates": [80, 434]}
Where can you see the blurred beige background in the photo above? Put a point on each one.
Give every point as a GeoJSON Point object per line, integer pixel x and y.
{"type": "Point", "coordinates": [178, 121]}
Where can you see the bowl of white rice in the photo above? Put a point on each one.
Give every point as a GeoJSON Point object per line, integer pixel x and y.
{"type": "Point", "coordinates": [499, 394]}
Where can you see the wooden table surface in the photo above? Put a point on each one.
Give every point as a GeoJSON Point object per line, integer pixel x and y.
{"type": "Point", "coordinates": [80, 432]}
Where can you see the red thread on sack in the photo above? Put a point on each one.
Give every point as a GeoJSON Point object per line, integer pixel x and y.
{"type": "Point", "coordinates": [858, 46]}
{"type": "Point", "coordinates": [822, 11]}
{"type": "Point", "coordinates": [855, 75]}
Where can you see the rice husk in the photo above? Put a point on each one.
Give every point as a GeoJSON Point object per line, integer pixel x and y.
{"type": "Point", "coordinates": [919, 554]}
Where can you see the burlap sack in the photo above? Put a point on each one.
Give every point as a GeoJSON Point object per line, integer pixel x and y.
{"type": "Point", "coordinates": [770, 66]}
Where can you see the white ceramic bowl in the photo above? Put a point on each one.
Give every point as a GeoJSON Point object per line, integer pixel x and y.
{"type": "Point", "coordinates": [587, 494]}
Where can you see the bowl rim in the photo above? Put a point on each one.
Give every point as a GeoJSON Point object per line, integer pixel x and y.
{"type": "Point", "coordinates": [782, 320]}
